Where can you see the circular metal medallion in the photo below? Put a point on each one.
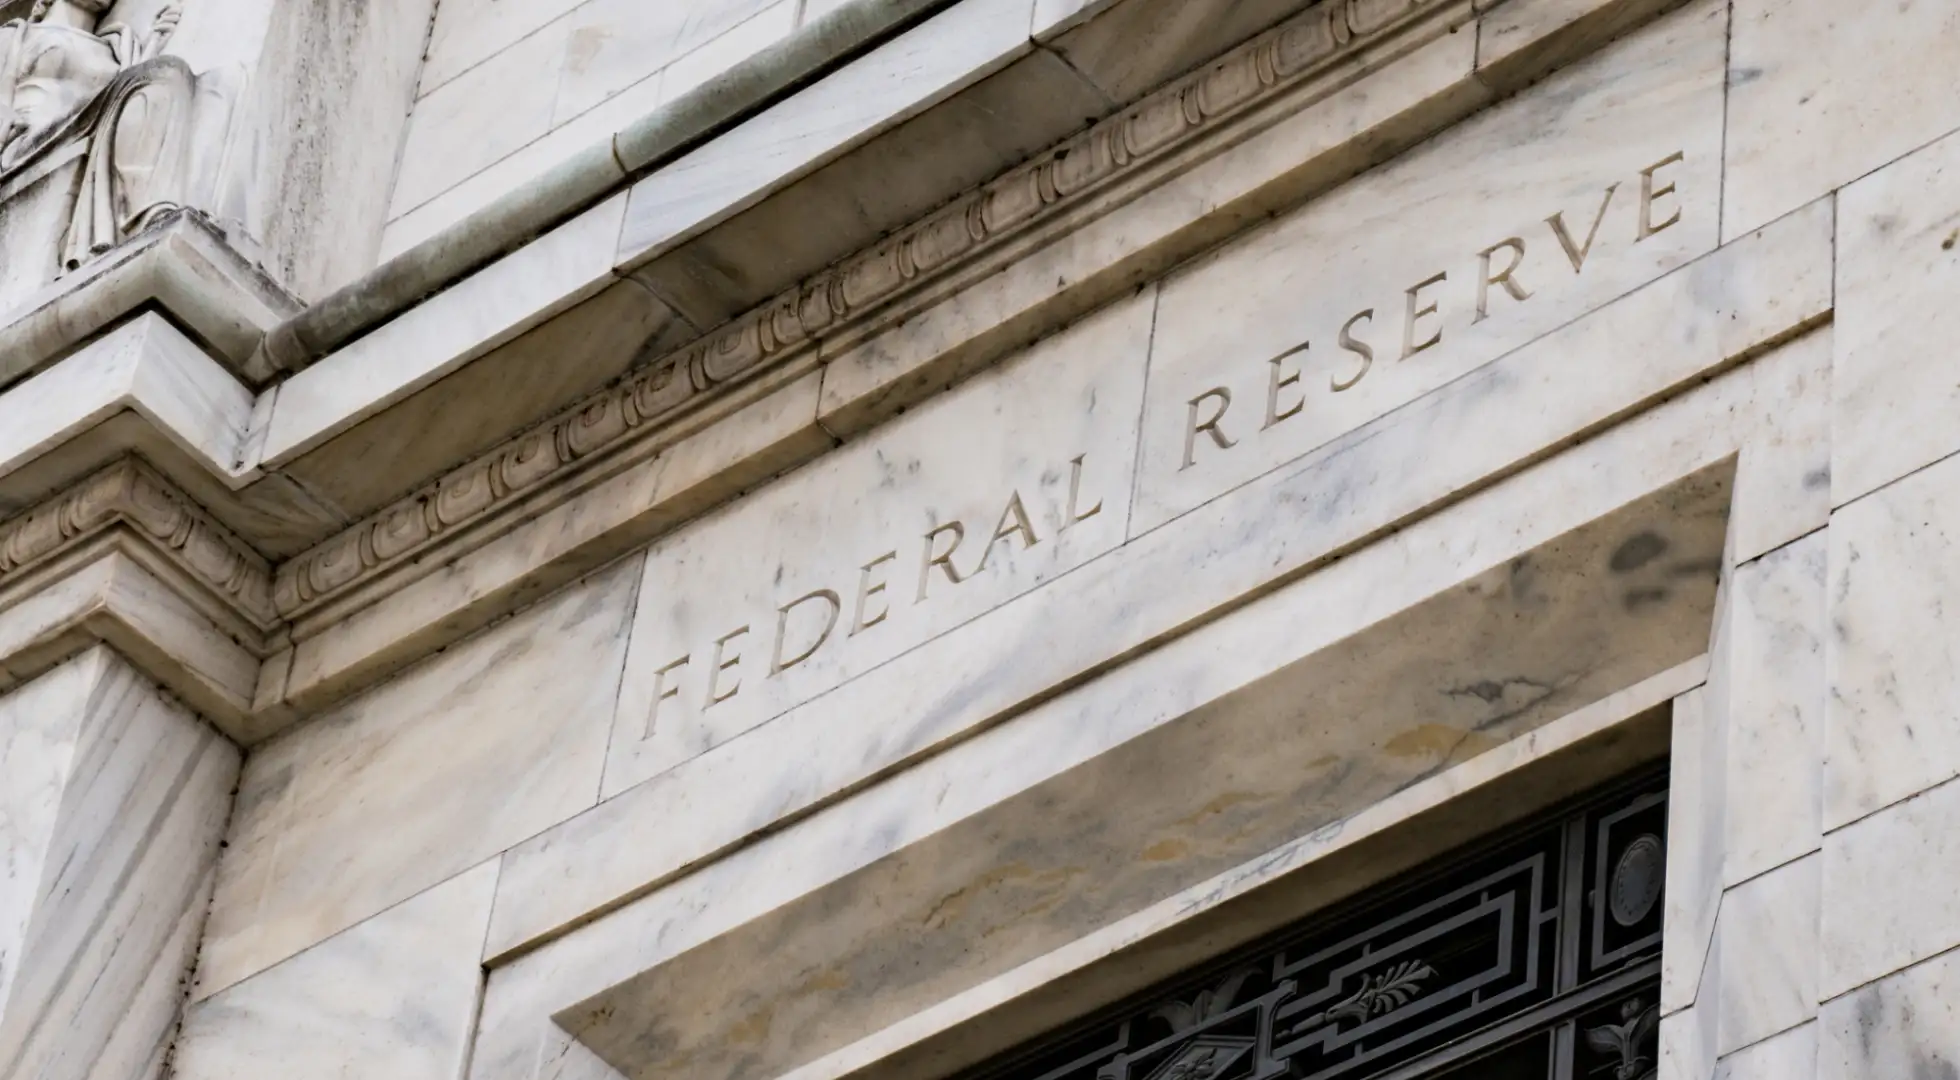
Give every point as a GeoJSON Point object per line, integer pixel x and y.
{"type": "Point", "coordinates": [1636, 882]}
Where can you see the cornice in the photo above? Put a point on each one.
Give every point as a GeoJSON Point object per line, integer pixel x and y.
{"type": "Point", "coordinates": [1060, 186]}
{"type": "Point", "coordinates": [129, 495]}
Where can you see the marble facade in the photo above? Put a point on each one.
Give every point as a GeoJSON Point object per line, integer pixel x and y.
{"type": "Point", "coordinates": [824, 539]}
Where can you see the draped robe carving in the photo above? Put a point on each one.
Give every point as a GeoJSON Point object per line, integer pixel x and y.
{"type": "Point", "coordinates": [88, 71]}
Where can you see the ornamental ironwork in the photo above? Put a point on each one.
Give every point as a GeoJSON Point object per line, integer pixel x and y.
{"type": "Point", "coordinates": [1534, 956]}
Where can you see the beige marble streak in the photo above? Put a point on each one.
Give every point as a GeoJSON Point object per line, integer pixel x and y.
{"type": "Point", "coordinates": [144, 795]}
{"type": "Point", "coordinates": [475, 750]}
{"type": "Point", "coordinates": [1535, 400]}
{"type": "Point", "coordinates": [392, 998]}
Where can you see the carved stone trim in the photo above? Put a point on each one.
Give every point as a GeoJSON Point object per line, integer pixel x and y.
{"type": "Point", "coordinates": [1059, 181]}
{"type": "Point", "coordinates": [129, 494]}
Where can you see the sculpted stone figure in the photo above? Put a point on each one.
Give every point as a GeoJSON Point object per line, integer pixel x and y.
{"type": "Point", "coordinates": [87, 72]}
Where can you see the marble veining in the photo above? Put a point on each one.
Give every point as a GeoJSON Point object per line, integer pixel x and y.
{"type": "Point", "coordinates": [139, 791]}
{"type": "Point", "coordinates": [475, 750]}
{"type": "Point", "coordinates": [393, 997]}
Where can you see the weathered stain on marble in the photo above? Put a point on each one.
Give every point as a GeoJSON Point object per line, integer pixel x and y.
{"type": "Point", "coordinates": [1905, 1026]}
{"type": "Point", "coordinates": [478, 748]}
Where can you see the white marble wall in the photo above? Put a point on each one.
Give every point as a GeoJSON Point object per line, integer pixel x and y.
{"type": "Point", "coordinates": [510, 90]}
{"type": "Point", "coordinates": [494, 807]}
{"type": "Point", "coordinates": [394, 997]}
{"type": "Point", "coordinates": [1827, 744]}
{"type": "Point", "coordinates": [113, 800]}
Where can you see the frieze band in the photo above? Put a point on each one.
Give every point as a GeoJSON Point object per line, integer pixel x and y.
{"type": "Point", "coordinates": [129, 493]}
{"type": "Point", "coordinates": [1026, 197]}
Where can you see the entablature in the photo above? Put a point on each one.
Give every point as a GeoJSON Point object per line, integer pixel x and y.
{"type": "Point", "coordinates": [737, 306]}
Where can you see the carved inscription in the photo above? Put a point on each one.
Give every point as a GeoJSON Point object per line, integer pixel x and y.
{"type": "Point", "coordinates": [1495, 273]}
{"type": "Point", "coordinates": [943, 557]}
{"type": "Point", "coordinates": [1000, 485]}
{"type": "Point", "coordinates": [1491, 235]}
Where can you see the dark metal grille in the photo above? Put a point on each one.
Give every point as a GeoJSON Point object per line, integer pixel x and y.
{"type": "Point", "coordinates": [1532, 957]}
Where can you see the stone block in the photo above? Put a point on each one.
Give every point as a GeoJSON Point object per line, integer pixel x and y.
{"type": "Point", "coordinates": [616, 43]}
{"type": "Point", "coordinates": [1905, 1026]}
{"type": "Point", "coordinates": [477, 118]}
{"type": "Point", "coordinates": [1891, 890]}
{"type": "Point", "coordinates": [1893, 383]}
{"type": "Point", "coordinates": [1491, 235]}
{"type": "Point", "coordinates": [1892, 721]}
{"type": "Point", "coordinates": [1775, 701]}
{"type": "Point", "coordinates": [113, 801]}
{"type": "Point", "coordinates": [466, 33]}
{"type": "Point", "coordinates": [1791, 1055]}
{"type": "Point", "coordinates": [1687, 1044]}
{"type": "Point", "coordinates": [513, 387]}
{"type": "Point", "coordinates": [439, 770]}
{"type": "Point", "coordinates": [732, 263]}
{"type": "Point", "coordinates": [889, 85]}
{"type": "Point", "coordinates": [1768, 939]}
{"type": "Point", "coordinates": [745, 615]}
{"type": "Point", "coordinates": [393, 996]}
{"type": "Point", "coordinates": [1823, 92]}
{"type": "Point", "coordinates": [516, 293]}
{"type": "Point", "coordinates": [1695, 805]}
